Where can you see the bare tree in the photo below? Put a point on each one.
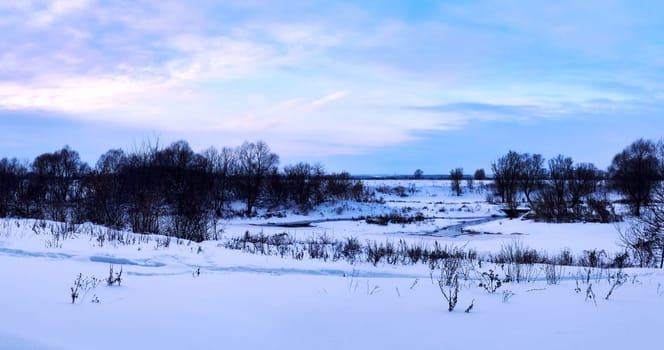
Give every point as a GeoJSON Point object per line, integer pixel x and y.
{"type": "Point", "coordinates": [186, 193]}
{"type": "Point", "coordinates": [343, 186]}
{"type": "Point", "coordinates": [142, 189]}
{"type": "Point", "coordinates": [456, 175]}
{"type": "Point", "coordinates": [255, 162]}
{"type": "Point", "coordinates": [506, 173]}
{"type": "Point", "coordinates": [584, 182]}
{"type": "Point", "coordinates": [480, 174]}
{"type": "Point", "coordinates": [12, 174]}
{"type": "Point", "coordinates": [568, 193]}
{"type": "Point", "coordinates": [222, 165]}
{"type": "Point", "coordinates": [531, 175]}
{"type": "Point", "coordinates": [304, 184]}
{"type": "Point", "coordinates": [560, 171]}
{"type": "Point", "coordinates": [635, 172]}
{"type": "Point", "coordinates": [104, 199]}
{"type": "Point", "coordinates": [645, 238]}
{"type": "Point", "coordinates": [111, 161]}
{"type": "Point", "coordinates": [56, 173]}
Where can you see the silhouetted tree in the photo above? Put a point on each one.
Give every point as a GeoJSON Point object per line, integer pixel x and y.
{"type": "Point", "coordinates": [304, 183]}
{"type": "Point", "coordinates": [105, 200]}
{"type": "Point", "coordinates": [142, 189]}
{"type": "Point", "coordinates": [342, 186]}
{"type": "Point", "coordinates": [635, 172]}
{"type": "Point", "coordinates": [506, 173]}
{"type": "Point", "coordinates": [480, 174]}
{"type": "Point", "coordinates": [584, 182]}
{"type": "Point", "coordinates": [28, 194]}
{"type": "Point", "coordinates": [12, 175]}
{"type": "Point", "coordinates": [56, 174]}
{"type": "Point", "coordinates": [560, 172]}
{"type": "Point", "coordinates": [456, 175]}
{"type": "Point", "coordinates": [170, 190]}
{"type": "Point", "coordinates": [645, 238]}
{"type": "Point", "coordinates": [255, 162]}
{"type": "Point", "coordinates": [111, 162]}
{"type": "Point", "coordinates": [222, 166]}
{"type": "Point", "coordinates": [531, 175]}
{"type": "Point", "coordinates": [568, 193]}
{"type": "Point", "coordinates": [186, 185]}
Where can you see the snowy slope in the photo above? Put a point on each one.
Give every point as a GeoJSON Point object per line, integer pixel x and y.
{"type": "Point", "coordinates": [247, 301]}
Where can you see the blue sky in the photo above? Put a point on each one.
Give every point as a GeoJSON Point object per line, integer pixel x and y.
{"type": "Point", "coordinates": [368, 87]}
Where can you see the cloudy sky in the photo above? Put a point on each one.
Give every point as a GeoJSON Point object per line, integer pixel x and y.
{"type": "Point", "coordinates": [368, 87]}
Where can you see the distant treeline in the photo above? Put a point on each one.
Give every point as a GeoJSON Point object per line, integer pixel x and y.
{"type": "Point", "coordinates": [170, 190]}
{"type": "Point", "coordinates": [413, 177]}
{"type": "Point", "coordinates": [173, 190]}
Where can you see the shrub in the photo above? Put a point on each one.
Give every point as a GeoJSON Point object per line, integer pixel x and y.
{"type": "Point", "coordinates": [601, 210]}
{"type": "Point", "coordinates": [620, 260]}
{"type": "Point", "coordinates": [490, 281]}
{"type": "Point", "coordinates": [515, 252]}
{"type": "Point", "coordinates": [520, 272]}
{"type": "Point", "coordinates": [507, 295]}
{"type": "Point", "coordinates": [351, 249]}
{"type": "Point", "coordinates": [565, 258]}
{"type": "Point", "coordinates": [376, 252]}
{"type": "Point", "coordinates": [593, 258]}
{"type": "Point", "coordinates": [395, 218]}
{"type": "Point", "coordinates": [82, 286]}
{"type": "Point", "coordinates": [448, 282]}
{"type": "Point", "coordinates": [553, 273]}
{"type": "Point", "coordinates": [618, 279]}
{"type": "Point", "coordinates": [114, 278]}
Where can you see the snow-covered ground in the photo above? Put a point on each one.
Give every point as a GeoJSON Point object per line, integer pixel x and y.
{"type": "Point", "coordinates": [246, 301]}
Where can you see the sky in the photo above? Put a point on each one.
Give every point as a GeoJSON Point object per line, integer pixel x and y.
{"type": "Point", "coordinates": [369, 87]}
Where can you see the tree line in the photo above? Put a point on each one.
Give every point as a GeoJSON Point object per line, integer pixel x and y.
{"type": "Point", "coordinates": [564, 191]}
{"type": "Point", "coordinates": [168, 190]}
{"type": "Point", "coordinates": [173, 190]}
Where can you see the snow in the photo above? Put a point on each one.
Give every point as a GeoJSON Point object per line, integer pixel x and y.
{"type": "Point", "coordinates": [248, 301]}
{"type": "Point", "coordinates": [553, 238]}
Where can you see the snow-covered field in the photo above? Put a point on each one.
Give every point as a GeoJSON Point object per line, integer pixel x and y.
{"type": "Point", "coordinates": [247, 301]}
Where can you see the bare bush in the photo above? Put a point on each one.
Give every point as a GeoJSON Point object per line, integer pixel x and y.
{"type": "Point", "coordinates": [456, 175]}
{"type": "Point", "coordinates": [644, 239]}
{"type": "Point", "coordinates": [594, 258]}
{"type": "Point", "coordinates": [489, 281]}
{"type": "Point", "coordinates": [519, 273]}
{"type": "Point", "coordinates": [590, 295]}
{"type": "Point", "coordinates": [616, 281]}
{"type": "Point", "coordinates": [448, 282]}
{"type": "Point", "coordinates": [82, 285]}
{"type": "Point", "coordinates": [114, 278]}
{"type": "Point", "coordinates": [553, 273]}
{"type": "Point", "coordinates": [470, 307]}
{"type": "Point", "coordinates": [507, 295]}
{"type": "Point", "coordinates": [516, 252]}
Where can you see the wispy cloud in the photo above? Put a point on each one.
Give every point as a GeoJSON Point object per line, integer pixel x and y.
{"type": "Point", "coordinates": [329, 98]}
{"type": "Point", "coordinates": [55, 10]}
{"type": "Point", "coordinates": [466, 112]}
{"type": "Point", "coordinates": [341, 72]}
